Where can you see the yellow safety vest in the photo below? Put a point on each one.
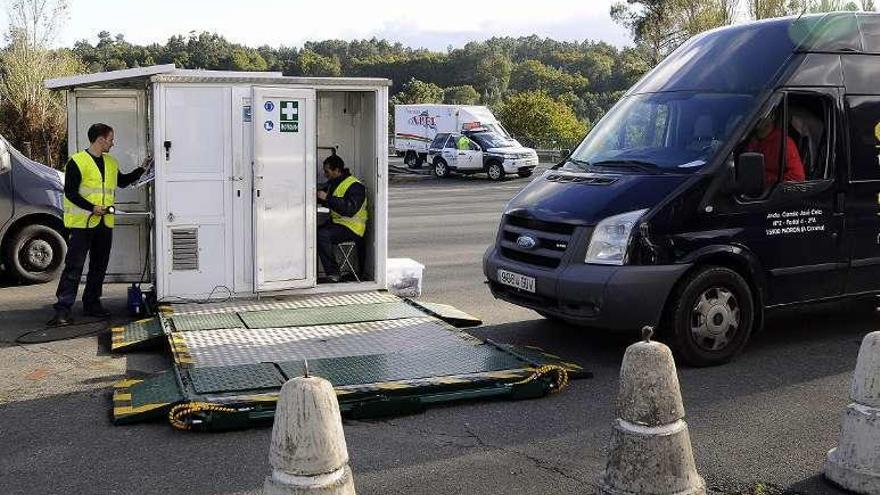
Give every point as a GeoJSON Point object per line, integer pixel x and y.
{"type": "Point", "coordinates": [94, 189]}
{"type": "Point", "coordinates": [463, 143]}
{"type": "Point", "coordinates": [357, 223]}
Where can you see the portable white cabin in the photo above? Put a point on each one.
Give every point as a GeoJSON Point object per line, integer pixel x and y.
{"type": "Point", "coordinates": [232, 208]}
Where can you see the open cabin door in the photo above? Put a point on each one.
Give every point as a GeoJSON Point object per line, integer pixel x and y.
{"type": "Point", "coordinates": [284, 188]}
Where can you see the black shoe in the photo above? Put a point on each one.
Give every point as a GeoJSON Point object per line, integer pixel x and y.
{"type": "Point", "coordinates": [96, 310]}
{"type": "Point", "coordinates": [61, 318]}
{"type": "Point", "coordinates": [329, 279]}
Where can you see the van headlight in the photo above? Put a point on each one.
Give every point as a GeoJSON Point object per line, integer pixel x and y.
{"type": "Point", "coordinates": [611, 237]}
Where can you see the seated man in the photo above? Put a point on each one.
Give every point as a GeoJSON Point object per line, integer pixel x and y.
{"type": "Point", "coordinates": [346, 198]}
{"type": "Point", "coordinates": [766, 140]}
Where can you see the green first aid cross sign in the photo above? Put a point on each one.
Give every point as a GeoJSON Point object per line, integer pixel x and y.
{"type": "Point", "coordinates": [289, 116]}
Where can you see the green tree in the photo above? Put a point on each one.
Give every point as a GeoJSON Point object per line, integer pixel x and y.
{"type": "Point", "coordinates": [533, 75]}
{"type": "Point", "coordinates": [416, 91]}
{"type": "Point", "coordinates": [310, 63]}
{"type": "Point", "coordinates": [31, 113]}
{"type": "Point", "coordinates": [541, 120]}
{"type": "Point", "coordinates": [461, 95]}
{"type": "Point", "coordinates": [662, 25]}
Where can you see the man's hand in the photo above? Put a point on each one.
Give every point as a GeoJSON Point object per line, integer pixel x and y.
{"type": "Point", "coordinates": [99, 211]}
{"type": "Point", "coordinates": [322, 195]}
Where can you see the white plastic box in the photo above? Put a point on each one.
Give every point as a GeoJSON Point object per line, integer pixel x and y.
{"type": "Point", "coordinates": [404, 277]}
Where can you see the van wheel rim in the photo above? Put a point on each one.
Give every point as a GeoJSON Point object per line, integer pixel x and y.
{"type": "Point", "coordinates": [441, 169]}
{"type": "Point", "coordinates": [494, 173]}
{"type": "Point", "coordinates": [410, 160]}
{"type": "Point", "coordinates": [38, 255]}
{"type": "Point", "coordinates": [715, 319]}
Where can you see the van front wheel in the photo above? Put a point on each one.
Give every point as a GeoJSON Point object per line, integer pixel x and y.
{"type": "Point", "coordinates": [36, 254]}
{"type": "Point", "coordinates": [711, 317]}
{"type": "Point", "coordinates": [441, 170]}
{"type": "Point", "coordinates": [495, 171]}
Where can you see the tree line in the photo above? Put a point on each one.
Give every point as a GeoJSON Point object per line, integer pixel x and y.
{"type": "Point", "coordinates": [546, 92]}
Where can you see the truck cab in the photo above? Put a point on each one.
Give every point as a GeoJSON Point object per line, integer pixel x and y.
{"type": "Point", "coordinates": [32, 244]}
{"type": "Point", "coordinates": [739, 176]}
{"type": "Point", "coordinates": [480, 150]}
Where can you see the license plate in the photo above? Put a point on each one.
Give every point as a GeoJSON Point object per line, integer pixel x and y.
{"type": "Point", "coordinates": [516, 280]}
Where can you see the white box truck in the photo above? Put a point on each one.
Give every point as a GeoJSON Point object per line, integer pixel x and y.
{"type": "Point", "coordinates": [232, 210]}
{"type": "Point", "coordinates": [416, 126]}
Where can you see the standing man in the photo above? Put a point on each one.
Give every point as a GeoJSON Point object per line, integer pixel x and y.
{"type": "Point", "coordinates": [90, 181]}
{"type": "Point", "coordinates": [346, 198]}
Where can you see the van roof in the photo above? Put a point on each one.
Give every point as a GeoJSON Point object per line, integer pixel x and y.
{"type": "Point", "coordinates": [747, 58]}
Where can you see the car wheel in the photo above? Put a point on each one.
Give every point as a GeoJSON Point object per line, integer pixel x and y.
{"type": "Point", "coordinates": [525, 173]}
{"type": "Point", "coordinates": [411, 159]}
{"type": "Point", "coordinates": [711, 317]}
{"type": "Point", "coordinates": [495, 171]}
{"type": "Point", "coordinates": [441, 170]}
{"type": "Point", "coordinates": [36, 254]}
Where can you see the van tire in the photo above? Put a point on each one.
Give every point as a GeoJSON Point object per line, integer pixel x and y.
{"type": "Point", "coordinates": [412, 160]}
{"type": "Point", "coordinates": [441, 169]}
{"type": "Point", "coordinates": [35, 254]}
{"type": "Point", "coordinates": [711, 317]}
{"type": "Point", "coordinates": [495, 171]}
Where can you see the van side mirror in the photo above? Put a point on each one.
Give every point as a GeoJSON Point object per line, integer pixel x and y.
{"type": "Point", "coordinates": [749, 171]}
{"type": "Point", "coordinates": [5, 158]}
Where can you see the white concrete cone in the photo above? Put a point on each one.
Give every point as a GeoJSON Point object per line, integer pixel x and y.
{"type": "Point", "coordinates": [308, 454]}
{"type": "Point", "coordinates": [855, 463]}
{"type": "Point", "coordinates": [650, 451]}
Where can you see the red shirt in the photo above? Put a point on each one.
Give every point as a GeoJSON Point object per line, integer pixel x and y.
{"type": "Point", "coordinates": [769, 146]}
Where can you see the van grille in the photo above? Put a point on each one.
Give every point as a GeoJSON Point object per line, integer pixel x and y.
{"type": "Point", "coordinates": [185, 249]}
{"type": "Point", "coordinates": [552, 239]}
{"type": "Point", "coordinates": [581, 179]}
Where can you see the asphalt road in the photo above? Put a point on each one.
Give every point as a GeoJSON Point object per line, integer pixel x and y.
{"type": "Point", "coordinates": [768, 418]}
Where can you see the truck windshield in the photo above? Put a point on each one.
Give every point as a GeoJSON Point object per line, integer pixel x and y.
{"type": "Point", "coordinates": [488, 140]}
{"type": "Point", "coordinates": [673, 132]}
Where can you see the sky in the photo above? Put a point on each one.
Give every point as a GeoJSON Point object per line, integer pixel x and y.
{"type": "Point", "coordinates": [433, 25]}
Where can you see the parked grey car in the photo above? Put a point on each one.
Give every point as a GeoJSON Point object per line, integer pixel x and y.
{"type": "Point", "coordinates": [32, 235]}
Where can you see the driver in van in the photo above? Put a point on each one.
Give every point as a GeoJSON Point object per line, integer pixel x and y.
{"type": "Point", "coordinates": [766, 140]}
{"type": "Point", "coordinates": [346, 198]}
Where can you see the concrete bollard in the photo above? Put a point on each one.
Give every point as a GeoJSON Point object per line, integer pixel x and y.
{"type": "Point", "coordinates": [308, 454]}
{"type": "Point", "coordinates": [650, 451]}
{"type": "Point", "coordinates": [855, 463]}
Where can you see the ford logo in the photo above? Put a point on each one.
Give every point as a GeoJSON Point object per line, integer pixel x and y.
{"type": "Point", "coordinates": [526, 241]}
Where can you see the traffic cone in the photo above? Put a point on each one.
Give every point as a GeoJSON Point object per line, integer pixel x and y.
{"type": "Point", "coordinates": [650, 451]}
{"type": "Point", "coordinates": [308, 453]}
{"type": "Point", "coordinates": [855, 463]}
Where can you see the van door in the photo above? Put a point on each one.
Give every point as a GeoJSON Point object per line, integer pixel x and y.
{"type": "Point", "coordinates": [796, 226]}
{"type": "Point", "coordinates": [284, 188]}
{"type": "Point", "coordinates": [863, 201]}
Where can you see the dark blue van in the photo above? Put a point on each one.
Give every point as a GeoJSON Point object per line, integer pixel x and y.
{"type": "Point", "coordinates": [32, 243]}
{"type": "Point", "coordinates": [739, 175]}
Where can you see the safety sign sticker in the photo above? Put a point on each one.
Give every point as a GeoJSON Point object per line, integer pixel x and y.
{"type": "Point", "coordinates": [269, 106]}
{"type": "Point", "coordinates": [289, 116]}
{"type": "Point", "coordinates": [268, 125]}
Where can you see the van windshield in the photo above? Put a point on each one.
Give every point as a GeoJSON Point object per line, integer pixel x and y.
{"type": "Point", "coordinates": [672, 132]}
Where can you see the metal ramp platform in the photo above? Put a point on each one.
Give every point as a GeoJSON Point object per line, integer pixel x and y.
{"type": "Point", "coordinates": [384, 355]}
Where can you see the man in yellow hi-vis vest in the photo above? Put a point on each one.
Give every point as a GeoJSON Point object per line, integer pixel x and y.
{"type": "Point", "coordinates": [346, 198]}
{"type": "Point", "coordinates": [90, 181]}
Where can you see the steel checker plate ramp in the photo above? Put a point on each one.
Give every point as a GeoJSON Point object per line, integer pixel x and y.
{"type": "Point", "coordinates": [449, 314]}
{"type": "Point", "coordinates": [145, 398]}
{"type": "Point", "coordinates": [135, 334]}
{"type": "Point", "coordinates": [327, 316]}
{"type": "Point", "coordinates": [236, 378]}
{"type": "Point", "coordinates": [184, 323]}
{"type": "Point", "coordinates": [232, 347]}
{"type": "Point", "coordinates": [285, 303]}
{"type": "Point", "coordinates": [375, 368]}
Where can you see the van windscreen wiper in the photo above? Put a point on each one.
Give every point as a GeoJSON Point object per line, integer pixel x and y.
{"type": "Point", "coordinates": [640, 165]}
{"type": "Point", "coordinates": [583, 164]}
